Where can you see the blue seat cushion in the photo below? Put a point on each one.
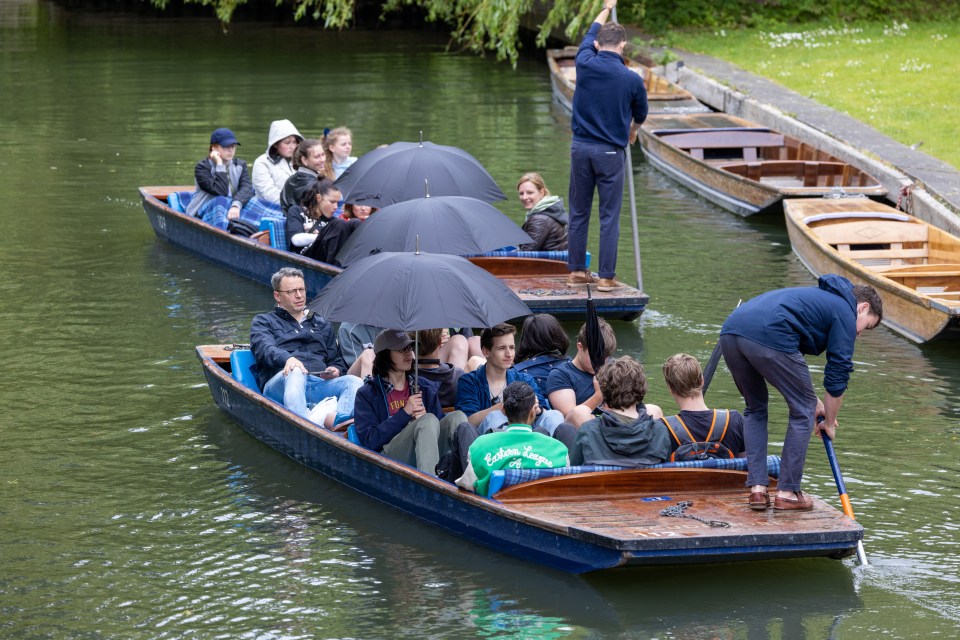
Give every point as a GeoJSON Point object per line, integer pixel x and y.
{"type": "Point", "coordinates": [241, 361]}
{"type": "Point", "coordinates": [278, 231]}
{"type": "Point", "coordinates": [179, 200]}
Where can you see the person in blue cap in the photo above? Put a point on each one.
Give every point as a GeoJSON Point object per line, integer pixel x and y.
{"type": "Point", "coordinates": [764, 342]}
{"type": "Point", "coordinates": [223, 183]}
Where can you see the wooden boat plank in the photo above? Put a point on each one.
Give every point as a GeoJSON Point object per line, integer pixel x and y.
{"type": "Point", "coordinates": [844, 237]}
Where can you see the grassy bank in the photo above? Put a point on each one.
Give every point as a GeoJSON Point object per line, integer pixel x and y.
{"type": "Point", "coordinates": [902, 79]}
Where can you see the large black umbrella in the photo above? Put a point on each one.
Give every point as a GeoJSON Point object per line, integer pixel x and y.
{"type": "Point", "coordinates": [411, 291]}
{"type": "Point", "coordinates": [408, 170]}
{"type": "Point", "coordinates": [444, 224]}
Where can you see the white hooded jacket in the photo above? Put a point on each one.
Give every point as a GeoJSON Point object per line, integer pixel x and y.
{"type": "Point", "coordinates": [270, 171]}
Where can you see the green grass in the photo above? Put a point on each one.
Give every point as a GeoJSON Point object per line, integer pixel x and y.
{"type": "Point", "coordinates": [901, 79]}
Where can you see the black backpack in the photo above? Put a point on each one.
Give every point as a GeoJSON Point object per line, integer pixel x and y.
{"type": "Point", "coordinates": [689, 449]}
{"type": "Point", "coordinates": [243, 228]}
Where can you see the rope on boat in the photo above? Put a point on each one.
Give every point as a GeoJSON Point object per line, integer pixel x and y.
{"type": "Point", "coordinates": [678, 511]}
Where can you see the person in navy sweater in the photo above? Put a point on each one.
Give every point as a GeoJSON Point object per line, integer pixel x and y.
{"type": "Point", "coordinates": [764, 341]}
{"type": "Point", "coordinates": [609, 105]}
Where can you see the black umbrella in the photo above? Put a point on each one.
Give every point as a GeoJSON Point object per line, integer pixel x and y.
{"type": "Point", "coordinates": [445, 224]}
{"type": "Point", "coordinates": [595, 343]}
{"type": "Point", "coordinates": [411, 291]}
{"type": "Point", "coordinates": [408, 170]}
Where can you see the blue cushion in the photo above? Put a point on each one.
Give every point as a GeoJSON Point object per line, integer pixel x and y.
{"type": "Point", "coordinates": [513, 252]}
{"type": "Point", "coordinates": [278, 231]}
{"type": "Point", "coordinates": [352, 434]}
{"type": "Point", "coordinates": [240, 362]}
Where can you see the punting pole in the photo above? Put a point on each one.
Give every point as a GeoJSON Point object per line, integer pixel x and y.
{"type": "Point", "coordinates": [633, 200]}
{"type": "Point", "coordinates": [842, 490]}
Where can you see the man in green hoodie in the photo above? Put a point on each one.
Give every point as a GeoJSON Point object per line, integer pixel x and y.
{"type": "Point", "coordinates": [624, 434]}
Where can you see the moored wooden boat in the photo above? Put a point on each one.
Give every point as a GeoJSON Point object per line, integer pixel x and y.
{"type": "Point", "coordinates": [743, 167]}
{"type": "Point", "coordinates": [541, 284]}
{"type": "Point", "coordinates": [663, 96]}
{"type": "Point", "coordinates": [577, 523]}
{"type": "Point", "coordinates": [914, 266]}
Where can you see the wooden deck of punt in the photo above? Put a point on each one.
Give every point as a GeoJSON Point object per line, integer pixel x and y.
{"type": "Point", "coordinates": [663, 96]}
{"type": "Point", "coordinates": [575, 523]}
{"type": "Point", "coordinates": [541, 284]}
{"type": "Point", "coordinates": [913, 265]}
{"type": "Point", "coordinates": [743, 167]}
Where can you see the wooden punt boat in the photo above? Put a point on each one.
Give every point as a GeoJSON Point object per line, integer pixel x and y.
{"type": "Point", "coordinates": [576, 523]}
{"type": "Point", "coordinates": [541, 284]}
{"type": "Point", "coordinates": [744, 167]}
{"type": "Point", "coordinates": [914, 266]}
{"type": "Point", "coordinates": [663, 96]}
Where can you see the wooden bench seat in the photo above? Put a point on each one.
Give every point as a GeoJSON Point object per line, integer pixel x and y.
{"type": "Point", "coordinates": [806, 174]}
{"type": "Point", "coordinates": [746, 140]}
{"type": "Point", "coordinates": [263, 237]}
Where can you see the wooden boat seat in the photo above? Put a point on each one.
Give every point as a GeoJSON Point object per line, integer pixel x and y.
{"type": "Point", "coordinates": [806, 174]}
{"type": "Point", "coordinates": [263, 237]}
{"type": "Point", "coordinates": [749, 141]}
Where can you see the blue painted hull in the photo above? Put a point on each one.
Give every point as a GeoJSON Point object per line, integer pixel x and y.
{"type": "Point", "coordinates": [259, 262]}
{"type": "Point", "coordinates": [488, 522]}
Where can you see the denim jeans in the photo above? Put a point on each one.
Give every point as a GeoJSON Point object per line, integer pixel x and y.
{"type": "Point", "coordinates": [753, 366]}
{"type": "Point", "coordinates": [298, 391]}
{"type": "Point", "coordinates": [547, 421]}
{"type": "Point", "coordinates": [600, 167]}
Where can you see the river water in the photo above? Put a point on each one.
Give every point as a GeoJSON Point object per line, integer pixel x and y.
{"type": "Point", "coordinates": [131, 507]}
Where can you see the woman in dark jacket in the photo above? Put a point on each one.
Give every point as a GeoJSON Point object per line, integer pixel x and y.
{"type": "Point", "coordinates": [223, 182]}
{"type": "Point", "coordinates": [546, 220]}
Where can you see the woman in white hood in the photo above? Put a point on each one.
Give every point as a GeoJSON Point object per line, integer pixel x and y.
{"type": "Point", "coordinates": [271, 170]}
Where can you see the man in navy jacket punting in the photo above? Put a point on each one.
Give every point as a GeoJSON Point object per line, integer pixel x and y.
{"type": "Point", "coordinates": [764, 341]}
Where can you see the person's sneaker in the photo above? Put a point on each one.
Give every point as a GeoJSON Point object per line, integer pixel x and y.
{"type": "Point", "coordinates": [579, 278]}
{"type": "Point", "coordinates": [800, 503]}
{"type": "Point", "coordinates": [608, 284]}
{"type": "Point", "coordinates": [759, 500]}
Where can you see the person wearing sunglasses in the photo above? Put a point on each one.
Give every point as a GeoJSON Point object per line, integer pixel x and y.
{"type": "Point", "coordinates": [298, 361]}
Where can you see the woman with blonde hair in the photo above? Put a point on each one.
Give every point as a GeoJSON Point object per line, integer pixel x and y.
{"type": "Point", "coordinates": [546, 221]}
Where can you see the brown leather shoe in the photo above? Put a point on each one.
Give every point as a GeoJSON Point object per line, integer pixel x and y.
{"type": "Point", "coordinates": [608, 284]}
{"type": "Point", "coordinates": [800, 503]}
{"type": "Point", "coordinates": [759, 500]}
{"type": "Point", "coordinates": [579, 278]}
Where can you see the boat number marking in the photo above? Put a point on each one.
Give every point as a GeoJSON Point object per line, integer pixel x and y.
{"type": "Point", "coordinates": [162, 223]}
{"type": "Point", "coordinates": [224, 398]}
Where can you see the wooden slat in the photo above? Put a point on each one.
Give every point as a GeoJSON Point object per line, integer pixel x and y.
{"type": "Point", "coordinates": [867, 231]}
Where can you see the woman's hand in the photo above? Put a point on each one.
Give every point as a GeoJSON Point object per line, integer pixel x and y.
{"type": "Point", "coordinates": [215, 156]}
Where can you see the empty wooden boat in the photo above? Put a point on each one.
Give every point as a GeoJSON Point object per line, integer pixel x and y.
{"type": "Point", "coordinates": [743, 167]}
{"type": "Point", "coordinates": [913, 265]}
{"type": "Point", "coordinates": [586, 521]}
{"type": "Point", "coordinates": [663, 96]}
{"type": "Point", "coordinates": [540, 283]}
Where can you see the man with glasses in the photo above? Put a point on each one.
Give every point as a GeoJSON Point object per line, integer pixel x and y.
{"type": "Point", "coordinates": [298, 359]}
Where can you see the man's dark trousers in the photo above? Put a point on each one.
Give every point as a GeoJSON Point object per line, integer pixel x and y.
{"type": "Point", "coordinates": [752, 366]}
{"type": "Point", "coordinates": [600, 166]}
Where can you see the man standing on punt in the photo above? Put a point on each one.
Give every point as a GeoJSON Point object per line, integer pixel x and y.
{"type": "Point", "coordinates": [763, 341]}
{"type": "Point", "coordinates": [609, 105]}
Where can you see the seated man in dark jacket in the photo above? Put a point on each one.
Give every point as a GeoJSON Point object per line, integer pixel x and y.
{"type": "Point", "coordinates": [298, 360]}
{"type": "Point", "coordinates": [625, 434]}
{"type": "Point", "coordinates": [398, 416]}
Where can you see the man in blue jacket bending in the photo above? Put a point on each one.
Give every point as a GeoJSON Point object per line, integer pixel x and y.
{"type": "Point", "coordinates": [763, 341]}
{"type": "Point", "coordinates": [609, 105]}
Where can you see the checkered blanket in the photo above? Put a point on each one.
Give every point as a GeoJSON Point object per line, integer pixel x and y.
{"type": "Point", "coordinates": [513, 252]}
{"type": "Point", "coordinates": [508, 477]}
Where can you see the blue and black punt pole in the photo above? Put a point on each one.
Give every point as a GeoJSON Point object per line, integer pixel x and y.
{"type": "Point", "coordinates": [842, 490]}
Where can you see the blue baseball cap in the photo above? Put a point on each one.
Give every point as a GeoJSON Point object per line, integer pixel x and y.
{"type": "Point", "coordinates": [223, 137]}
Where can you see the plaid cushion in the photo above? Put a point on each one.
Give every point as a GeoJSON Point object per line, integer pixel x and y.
{"type": "Point", "coordinates": [513, 252]}
{"type": "Point", "coordinates": [178, 200]}
{"type": "Point", "coordinates": [278, 231]}
{"type": "Point", "coordinates": [504, 478]}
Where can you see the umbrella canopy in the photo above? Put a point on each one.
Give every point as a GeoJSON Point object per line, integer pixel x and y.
{"type": "Point", "coordinates": [412, 291]}
{"type": "Point", "coordinates": [444, 224]}
{"type": "Point", "coordinates": [408, 170]}
{"type": "Point", "coordinates": [595, 343]}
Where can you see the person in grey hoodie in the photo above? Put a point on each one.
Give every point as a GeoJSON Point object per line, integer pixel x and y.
{"type": "Point", "coordinates": [546, 220]}
{"type": "Point", "coordinates": [271, 170]}
{"type": "Point", "coordinates": [625, 434]}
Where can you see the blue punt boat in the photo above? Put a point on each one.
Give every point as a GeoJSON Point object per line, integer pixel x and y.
{"type": "Point", "coordinates": [540, 283]}
{"type": "Point", "coordinates": [578, 522]}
